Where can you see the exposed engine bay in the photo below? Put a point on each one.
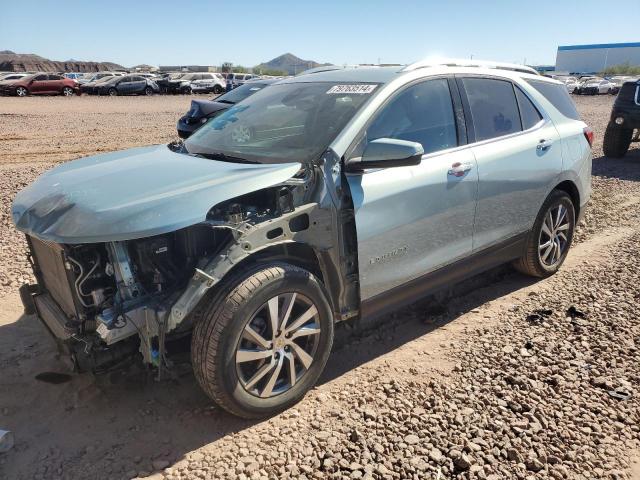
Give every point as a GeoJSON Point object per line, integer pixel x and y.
{"type": "Point", "coordinates": [109, 301]}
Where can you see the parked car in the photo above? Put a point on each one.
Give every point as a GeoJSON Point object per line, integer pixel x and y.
{"type": "Point", "coordinates": [186, 83]}
{"type": "Point", "coordinates": [40, 84]}
{"type": "Point", "coordinates": [202, 111]}
{"type": "Point", "coordinates": [618, 81]}
{"type": "Point", "coordinates": [12, 76]}
{"type": "Point", "coordinates": [594, 86]}
{"type": "Point", "coordinates": [73, 75]}
{"type": "Point", "coordinates": [624, 124]}
{"type": "Point", "coordinates": [97, 76]}
{"type": "Point", "coordinates": [127, 85]}
{"type": "Point", "coordinates": [91, 88]}
{"type": "Point", "coordinates": [319, 199]}
{"type": "Point", "coordinates": [234, 80]}
{"type": "Point", "coordinates": [209, 83]}
{"type": "Point", "coordinates": [149, 75]}
{"type": "Point", "coordinates": [570, 82]}
{"type": "Point", "coordinates": [170, 82]}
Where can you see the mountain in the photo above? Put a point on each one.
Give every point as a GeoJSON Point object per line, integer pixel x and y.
{"type": "Point", "coordinates": [28, 62]}
{"type": "Point", "coordinates": [289, 63]}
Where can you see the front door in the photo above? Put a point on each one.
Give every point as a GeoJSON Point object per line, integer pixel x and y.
{"type": "Point", "coordinates": [412, 220]}
{"type": "Point", "coordinates": [39, 84]}
{"type": "Point", "coordinates": [125, 86]}
{"type": "Point", "coordinates": [519, 154]}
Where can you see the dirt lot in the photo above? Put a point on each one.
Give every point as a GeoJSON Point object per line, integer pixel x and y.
{"type": "Point", "coordinates": [463, 388]}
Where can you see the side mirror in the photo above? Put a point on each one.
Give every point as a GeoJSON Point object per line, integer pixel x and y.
{"type": "Point", "coordinates": [387, 152]}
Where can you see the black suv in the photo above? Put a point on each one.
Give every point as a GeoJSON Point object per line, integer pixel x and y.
{"type": "Point", "coordinates": [624, 121]}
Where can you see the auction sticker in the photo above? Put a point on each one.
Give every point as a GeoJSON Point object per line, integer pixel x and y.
{"type": "Point", "coordinates": [358, 89]}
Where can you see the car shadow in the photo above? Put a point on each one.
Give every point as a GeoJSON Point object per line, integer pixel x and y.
{"type": "Point", "coordinates": [123, 421]}
{"type": "Point", "coordinates": [625, 168]}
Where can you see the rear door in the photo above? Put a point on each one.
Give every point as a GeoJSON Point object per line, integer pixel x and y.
{"type": "Point", "coordinates": [518, 153]}
{"type": "Point", "coordinates": [138, 84]}
{"type": "Point", "coordinates": [54, 83]}
{"type": "Point", "coordinates": [412, 220]}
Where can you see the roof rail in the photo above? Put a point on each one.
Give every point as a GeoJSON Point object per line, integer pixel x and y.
{"type": "Point", "coordinates": [330, 68]}
{"type": "Point", "coordinates": [458, 62]}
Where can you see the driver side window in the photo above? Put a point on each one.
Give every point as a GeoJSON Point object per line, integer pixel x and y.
{"type": "Point", "coordinates": [423, 113]}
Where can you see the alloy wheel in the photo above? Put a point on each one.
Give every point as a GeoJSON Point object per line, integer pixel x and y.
{"type": "Point", "coordinates": [67, 92]}
{"type": "Point", "coordinates": [278, 345]}
{"type": "Point", "coordinates": [554, 239]}
{"type": "Point", "coordinates": [21, 92]}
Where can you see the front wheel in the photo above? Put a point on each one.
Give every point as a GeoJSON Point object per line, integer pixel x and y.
{"type": "Point", "coordinates": [22, 92]}
{"type": "Point", "coordinates": [616, 141]}
{"type": "Point", "coordinates": [113, 92]}
{"type": "Point", "coordinates": [549, 241]}
{"type": "Point", "coordinates": [217, 90]}
{"type": "Point", "coordinates": [262, 342]}
{"type": "Point", "coordinates": [148, 91]}
{"type": "Point", "coordinates": [67, 91]}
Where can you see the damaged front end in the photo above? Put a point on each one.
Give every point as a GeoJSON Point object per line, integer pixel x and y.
{"type": "Point", "coordinates": [110, 301]}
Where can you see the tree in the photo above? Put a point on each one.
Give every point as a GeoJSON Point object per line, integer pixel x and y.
{"type": "Point", "coordinates": [622, 69]}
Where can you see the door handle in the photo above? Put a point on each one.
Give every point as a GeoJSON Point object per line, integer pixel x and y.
{"type": "Point", "coordinates": [544, 145]}
{"type": "Point", "coordinates": [459, 169]}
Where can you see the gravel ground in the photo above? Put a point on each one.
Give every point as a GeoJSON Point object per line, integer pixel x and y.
{"type": "Point", "coordinates": [474, 388]}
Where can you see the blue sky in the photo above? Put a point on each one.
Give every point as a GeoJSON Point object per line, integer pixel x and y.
{"type": "Point", "coordinates": [181, 32]}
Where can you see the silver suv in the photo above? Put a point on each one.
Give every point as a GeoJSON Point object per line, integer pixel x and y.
{"type": "Point", "coordinates": [321, 199]}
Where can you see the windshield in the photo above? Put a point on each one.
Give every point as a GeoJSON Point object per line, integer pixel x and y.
{"type": "Point", "coordinates": [291, 122]}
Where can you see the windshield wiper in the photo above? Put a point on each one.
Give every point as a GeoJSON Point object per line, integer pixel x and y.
{"type": "Point", "coordinates": [221, 156]}
{"type": "Point", "coordinates": [226, 101]}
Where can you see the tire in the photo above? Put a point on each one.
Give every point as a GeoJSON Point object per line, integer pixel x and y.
{"type": "Point", "coordinates": [220, 342]}
{"type": "Point", "coordinates": [22, 92]}
{"type": "Point", "coordinates": [542, 258]}
{"type": "Point", "coordinates": [217, 90]}
{"type": "Point", "coordinates": [616, 140]}
{"type": "Point", "coordinates": [148, 91]}
{"type": "Point", "coordinates": [112, 92]}
{"type": "Point", "coordinates": [67, 91]}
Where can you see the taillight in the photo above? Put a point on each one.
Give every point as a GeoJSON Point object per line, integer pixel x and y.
{"type": "Point", "coordinates": [588, 134]}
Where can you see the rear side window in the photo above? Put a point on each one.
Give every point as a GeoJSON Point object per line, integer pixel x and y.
{"type": "Point", "coordinates": [528, 112]}
{"type": "Point", "coordinates": [55, 77]}
{"type": "Point", "coordinates": [493, 106]}
{"type": "Point", "coordinates": [423, 113]}
{"type": "Point", "coordinates": [557, 96]}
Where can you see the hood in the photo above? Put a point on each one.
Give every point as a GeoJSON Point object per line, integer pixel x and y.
{"type": "Point", "coordinates": [134, 193]}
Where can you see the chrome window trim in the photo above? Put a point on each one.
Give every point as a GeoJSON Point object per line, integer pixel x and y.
{"type": "Point", "coordinates": [538, 126]}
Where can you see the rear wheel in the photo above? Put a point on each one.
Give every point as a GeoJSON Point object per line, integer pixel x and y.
{"type": "Point", "coordinates": [22, 92]}
{"type": "Point", "coordinates": [549, 241]}
{"type": "Point", "coordinates": [113, 92]}
{"type": "Point", "coordinates": [616, 140]}
{"type": "Point", "coordinates": [262, 342]}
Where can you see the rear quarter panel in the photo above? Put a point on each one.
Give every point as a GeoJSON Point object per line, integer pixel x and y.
{"type": "Point", "coordinates": [576, 152]}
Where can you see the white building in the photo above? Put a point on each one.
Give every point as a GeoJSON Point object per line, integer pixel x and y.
{"type": "Point", "coordinates": [595, 58]}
